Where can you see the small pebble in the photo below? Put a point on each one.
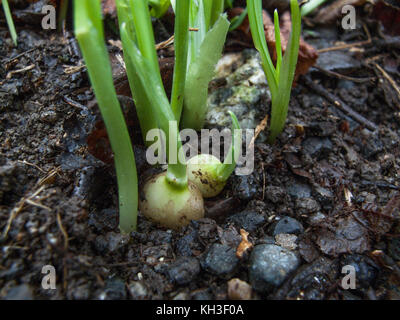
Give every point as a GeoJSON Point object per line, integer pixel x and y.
{"type": "Point", "coordinates": [183, 270]}
{"type": "Point", "coordinates": [317, 147]}
{"type": "Point", "coordinates": [299, 190]}
{"type": "Point", "coordinates": [248, 220]}
{"type": "Point", "coordinates": [288, 225]}
{"type": "Point", "coordinates": [287, 241]}
{"type": "Point", "coordinates": [21, 292]}
{"type": "Point", "coordinates": [137, 290]}
{"type": "Point", "coordinates": [239, 290]}
{"type": "Point", "coordinates": [307, 206]}
{"type": "Point", "coordinates": [220, 260]}
{"type": "Point", "coordinates": [270, 265]}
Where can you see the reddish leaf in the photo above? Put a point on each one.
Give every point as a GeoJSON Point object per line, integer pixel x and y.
{"type": "Point", "coordinates": [389, 14]}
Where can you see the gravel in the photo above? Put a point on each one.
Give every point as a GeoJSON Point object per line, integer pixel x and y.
{"type": "Point", "coordinates": [270, 265]}
{"type": "Point", "coordinates": [288, 225]}
{"type": "Point", "coordinates": [183, 270]}
{"type": "Point", "coordinates": [220, 260]}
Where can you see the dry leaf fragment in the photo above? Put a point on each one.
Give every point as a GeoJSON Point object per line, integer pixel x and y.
{"type": "Point", "coordinates": [244, 245]}
{"type": "Point", "coordinates": [388, 12]}
{"type": "Point", "coordinates": [333, 12]}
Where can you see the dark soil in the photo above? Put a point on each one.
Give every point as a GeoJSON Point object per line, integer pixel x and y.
{"type": "Point", "coordinates": [336, 180]}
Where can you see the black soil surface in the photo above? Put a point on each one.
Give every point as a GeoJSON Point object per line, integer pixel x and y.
{"type": "Point", "coordinates": [327, 192]}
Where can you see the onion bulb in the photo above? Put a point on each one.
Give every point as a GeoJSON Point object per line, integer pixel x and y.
{"type": "Point", "coordinates": [169, 206]}
{"type": "Point", "coordinates": [203, 171]}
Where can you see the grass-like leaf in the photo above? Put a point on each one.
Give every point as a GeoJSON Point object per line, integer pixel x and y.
{"type": "Point", "coordinates": [200, 73]}
{"type": "Point", "coordinates": [280, 78]}
{"type": "Point", "coordinates": [10, 21]}
{"type": "Point", "coordinates": [90, 35]}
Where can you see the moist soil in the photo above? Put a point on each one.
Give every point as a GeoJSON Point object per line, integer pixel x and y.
{"type": "Point", "coordinates": [335, 175]}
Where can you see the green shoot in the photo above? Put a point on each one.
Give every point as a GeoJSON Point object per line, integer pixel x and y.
{"type": "Point", "coordinates": [159, 7]}
{"type": "Point", "coordinates": [142, 64]}
{"type": "Point", "coordinates": [280, 78]}
{"type": "Point", "coordinates": [200, 73]}
{"type": "Point", "coordinates": [212, 9]}
{"type": "Point", "coordinates": [229, 4]}
{"type": "Point", "coordinates": [169, 198]}
{"type": "Point", "coordinates": [229, 165]}
{"type": "Point", "coordinates": [208, 173]}
{"type": "Point", "coordinates": [205, 48]}
{"type": "Point", "coordinates": [10, 21]}
{"type": "Point", "coordinates": [238, 20]}
{"type": "Point", "coordinates": [181, 57]}
{"type": "Point", "coordinates": [310, 6]}
{"type": "Point", "coordinates": [90, 35]}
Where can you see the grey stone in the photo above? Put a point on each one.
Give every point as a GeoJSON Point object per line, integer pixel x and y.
{"type": "Point", "coordinates": [394, 248]}
{"type": "Point", "coordinates": [275, 194]}
{"type": "Point", "coordinates": [288, 225]}
{"type": "Point", "coordinates": [21, 292]}
{"type": "Point", "coordinates": [183, 270]}
{"type": "Point", "coordinates": [317, 147]}
{"type": "Point", "coordinates": [307, 205]}
{"type": "Point", "coordinates": [316, 219]}
{"type": "Point", "coordinates": [299, 190]}
{"type": "Point", "coordinates": [245, 91]}
{"type": "Point", "coordinates": [114, 290]}
{"type": "Point", "coordinates": [245, 187]}
{"type": "Point", "coordinates": [137, 290]}
{"type": "Point", "coordinates": [270, 265]}
{"type": "Point", "coordinates": [220, 260]}
{"type": "Point", "coordinates": [247, 220]}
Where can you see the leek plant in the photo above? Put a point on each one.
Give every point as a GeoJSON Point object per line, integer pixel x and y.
{"type": "Point", "coordinates": [10, 21]}
{"type": "Point", "coordinates": [90, 35]}
{"type": "Point", "coordinates": [204, 51]}
{"type": "Point", "coordinates": [170, 198]}
{"type": "Point", "coordinates": [279, 77]}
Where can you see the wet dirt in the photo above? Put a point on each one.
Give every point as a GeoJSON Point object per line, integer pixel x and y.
{"type": "Point", "coordinates": [329, 182]}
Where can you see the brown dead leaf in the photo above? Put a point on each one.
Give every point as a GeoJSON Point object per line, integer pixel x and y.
{"type": "Point", "coordinates": [308, 55]}
{"type": "Point", "coordinates": [389, 14]}
{"type": "Point", "coordinates": [392, 208]}
{"type": "Point", "coordinates": [244, 245]}
{"type": "Point", "coordinates": [332, 12]}
{"type": "Point", "coordinates": [109, 8]}
{"type": "Point", "coordinates": [349, 236]}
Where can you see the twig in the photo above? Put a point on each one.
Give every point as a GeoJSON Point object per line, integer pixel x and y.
{"type": "Point", "coordinates": [341, 76]}
{"type": "Point", "coordinates": [17, 209]}
{"type": "Point", "coordinates": [260, 127]}
{"type": "Point", "coordinates": [170, 41]}
{"type": "Point", "coordinates": [11, 73]}
{"type": "Point", "coordinates": [64, 233]}
{"type": "Point", "coordinates": [49, 177]}
{"type": "Point", "coordinates": [389, 78]}
{"type": "Point", "coordinates": [165, 43]}
{"type": "Point", "coordinates": [19, 55]}
{"type": "Point", "coordinates": [32, 165]}
{"type": "Point", "coordinates": [73, 103]}
{"type": "Point", "coordinates": [344, 46]}
{"type": "Point", "coordinates": [65, 236]}
{"type": "Point", "coordinates": [349, 45]}
{"type": "Point", "coordinates": [340, 104]}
